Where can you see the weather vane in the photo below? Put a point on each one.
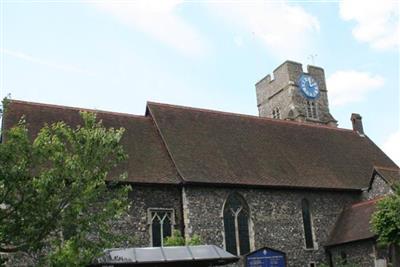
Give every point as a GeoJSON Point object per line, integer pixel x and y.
{"type": "Point", "coordinates": [312, 57]}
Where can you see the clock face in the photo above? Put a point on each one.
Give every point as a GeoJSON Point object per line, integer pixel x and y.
{"type": "Point", "coordinates": [308, 86]}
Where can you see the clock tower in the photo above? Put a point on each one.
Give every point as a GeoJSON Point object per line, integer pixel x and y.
{"type": "Point", "coordinates": [295, 95]}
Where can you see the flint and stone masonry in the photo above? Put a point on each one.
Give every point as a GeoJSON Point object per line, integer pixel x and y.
{"type": "Point", "coordinates": [275, 218]}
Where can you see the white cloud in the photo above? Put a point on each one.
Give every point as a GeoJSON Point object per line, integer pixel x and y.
{"type": "Point", "coordinates": [377, 21]}
{"type": "Point", "coordinates": [159, 19]}
{"type": "Point", "coordinates": [392, 147]}
{"type": "Point", "coordinates": [348, 86]}
{"type": "Point", "coordinates": [286, 30]}
{"type": "Point", "coordinates": [47, 63]}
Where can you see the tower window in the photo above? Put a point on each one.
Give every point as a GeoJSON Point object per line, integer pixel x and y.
{"type": "Point", "coordinates": [236, 225]}
{"type": "Point", "coordinates": [308, 233]}
{"type": "Point", "coordinates": [161, 222]}
{"type": "Point", "coordinates": [276, 113]}
{"type": "Point", "coordinates": [311, 109]}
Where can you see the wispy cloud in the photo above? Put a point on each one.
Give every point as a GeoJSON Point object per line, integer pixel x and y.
{"type": "Point", "coordinates": [44, 62]}
{"type": "Point", "coordinates": [349, 86]}
{"type": "Point", "coordinates": [158, 19]}
{"type": "Point", "coordinates": [285, 29]}
{"type": "Point", "coordinates": [377, 22]}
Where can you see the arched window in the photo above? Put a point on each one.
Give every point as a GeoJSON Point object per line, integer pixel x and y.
{"type": "Point", "coordinates": [311, 109]}
{"type": "Point", "coordinates": [161, 223]}
{"type": "Point", "coordinates": [276, 113]}
{"type": "Point", "coordinates": [236, 225]}
{"type": "Point", "coordinates": [308, 232]}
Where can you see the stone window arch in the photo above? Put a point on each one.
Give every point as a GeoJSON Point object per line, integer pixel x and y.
{"type": "Point", "coordinates": [161, 222]}
{"type": "Point", "coordinates": [276, 113]}
{"type": "Point", "coordinates": [236, 217]}
{"type": "Point", "coordinates": [307, 224]}
{"type": "Point", "coordinates": [311, 109]}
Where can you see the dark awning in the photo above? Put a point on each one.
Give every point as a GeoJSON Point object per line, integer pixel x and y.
{"type": "Point", "coordinates": [205, 255]}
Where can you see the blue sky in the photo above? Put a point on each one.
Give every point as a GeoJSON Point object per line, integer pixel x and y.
{"type": "Point", "coordinates": [116, 55]}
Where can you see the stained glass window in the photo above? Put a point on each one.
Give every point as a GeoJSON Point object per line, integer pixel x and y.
{"type": "Point", "coordinates": [307, 224]}
{"type": "Point", "coordinates": [236, 224]}
{"type": "Point", "coordinates": [161, 222]}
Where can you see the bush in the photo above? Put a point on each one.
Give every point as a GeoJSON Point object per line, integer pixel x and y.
{"type": "Point", "coordinates": [176, 239]}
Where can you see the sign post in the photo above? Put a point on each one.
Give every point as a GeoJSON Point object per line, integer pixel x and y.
{"type": "Point", "coordinates": [266, 257]}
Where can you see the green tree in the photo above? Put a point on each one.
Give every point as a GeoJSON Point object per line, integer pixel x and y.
{"type": "Point", "coordinates": [55, 203]}
{"type": "Point", "coordinates": [386, 219]}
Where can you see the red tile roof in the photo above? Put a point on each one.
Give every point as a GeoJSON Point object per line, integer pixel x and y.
{"type": "Point", "coordinates": [353, 224]}
{"type": "Point", "coordinates": [174, 144]}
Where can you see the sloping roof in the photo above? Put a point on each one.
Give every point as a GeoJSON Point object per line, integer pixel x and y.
{"type": "Point", "coordinates": [173, 145]}
{"type": "Point", "coordinates": [167, 256]}
{"type": "Point", "coordinates": [353, 224]}
{"type": "Point", "coordinates": [216, 147]}
{"type": "Point", "coordinates": [391, 175]}
{"type": "Point", "coordinates": [148, 160]}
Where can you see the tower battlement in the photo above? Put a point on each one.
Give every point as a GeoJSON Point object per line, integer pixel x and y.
{"type": "Point", "coordinates": [281, 94]}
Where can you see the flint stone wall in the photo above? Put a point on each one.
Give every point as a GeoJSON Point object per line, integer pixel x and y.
{"type": "Point", "coordinates": [276, 218]}
{"type": "Point", "coordinates": [379, 187]}
{"type": "Point", "coordinates": [136, 224]}
{"type": "Point", "coordinates": [361, 254]}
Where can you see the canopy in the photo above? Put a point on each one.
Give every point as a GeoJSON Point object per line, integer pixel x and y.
{"type": "Point", "coordinates": [205, 255]}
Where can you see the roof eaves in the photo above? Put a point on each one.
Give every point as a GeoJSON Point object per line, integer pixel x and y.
{"type": "Point", "coordinates": [334, 244]}
{"type": "Point", "coordinates": [336, 189]}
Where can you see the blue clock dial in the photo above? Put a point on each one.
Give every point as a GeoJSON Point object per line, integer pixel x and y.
{"type": "Point", "coordinates": [308, 86]}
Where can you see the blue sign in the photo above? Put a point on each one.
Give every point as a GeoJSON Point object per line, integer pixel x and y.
{"type": "Point", "coordinates": [266, 257]}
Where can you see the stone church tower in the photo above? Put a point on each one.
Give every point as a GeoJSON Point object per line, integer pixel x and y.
{"type": "Point", "coordinates": [295, 95]}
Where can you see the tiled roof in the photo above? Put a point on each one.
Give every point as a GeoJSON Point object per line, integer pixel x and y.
{"type": "Point", "coordinates": [148, 160]}
{"type": "Point", "coordinates": [174, 144]}
{"type": "Point", "coordinates": [218, 147]}
{"type": "Point", "coordinates": [353, 224]}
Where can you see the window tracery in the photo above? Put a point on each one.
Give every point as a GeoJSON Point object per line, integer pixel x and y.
{"type": "Point", "coordinates": [161, 222]}
{"type": "Point", "coordinates": [236, 225]}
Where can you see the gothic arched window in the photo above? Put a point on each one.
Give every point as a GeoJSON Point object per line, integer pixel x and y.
{"type": "Point", "coordinates": [308, 232]}
{"type": "Point", "coordinates": [311, 109]}
{"type": "Point", "coordinates": [161, 223]}
{"type": "Point", "coordinates": [276, 113]}
{"type": "Point", "coordinates": [236, 225]}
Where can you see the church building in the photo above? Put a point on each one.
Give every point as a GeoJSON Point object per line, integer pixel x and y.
{"type": "Point", "coordinates": [289, 179]}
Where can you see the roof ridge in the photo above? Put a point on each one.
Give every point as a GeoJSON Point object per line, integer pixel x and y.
{"type": "Point", "coordinates": [250, 117]}
{"type": "Point", "coordinates": [165, 145]}
{"type": "Point", "coordinates": [76, 108]}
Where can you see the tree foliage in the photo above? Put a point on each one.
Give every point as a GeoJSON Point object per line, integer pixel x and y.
{"type": "Point", "coordinates": [55, 202]}
{"type": "Point", "coordinates": [176, 239]}
{"type": "Point", "coordinates": [386, 219]}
